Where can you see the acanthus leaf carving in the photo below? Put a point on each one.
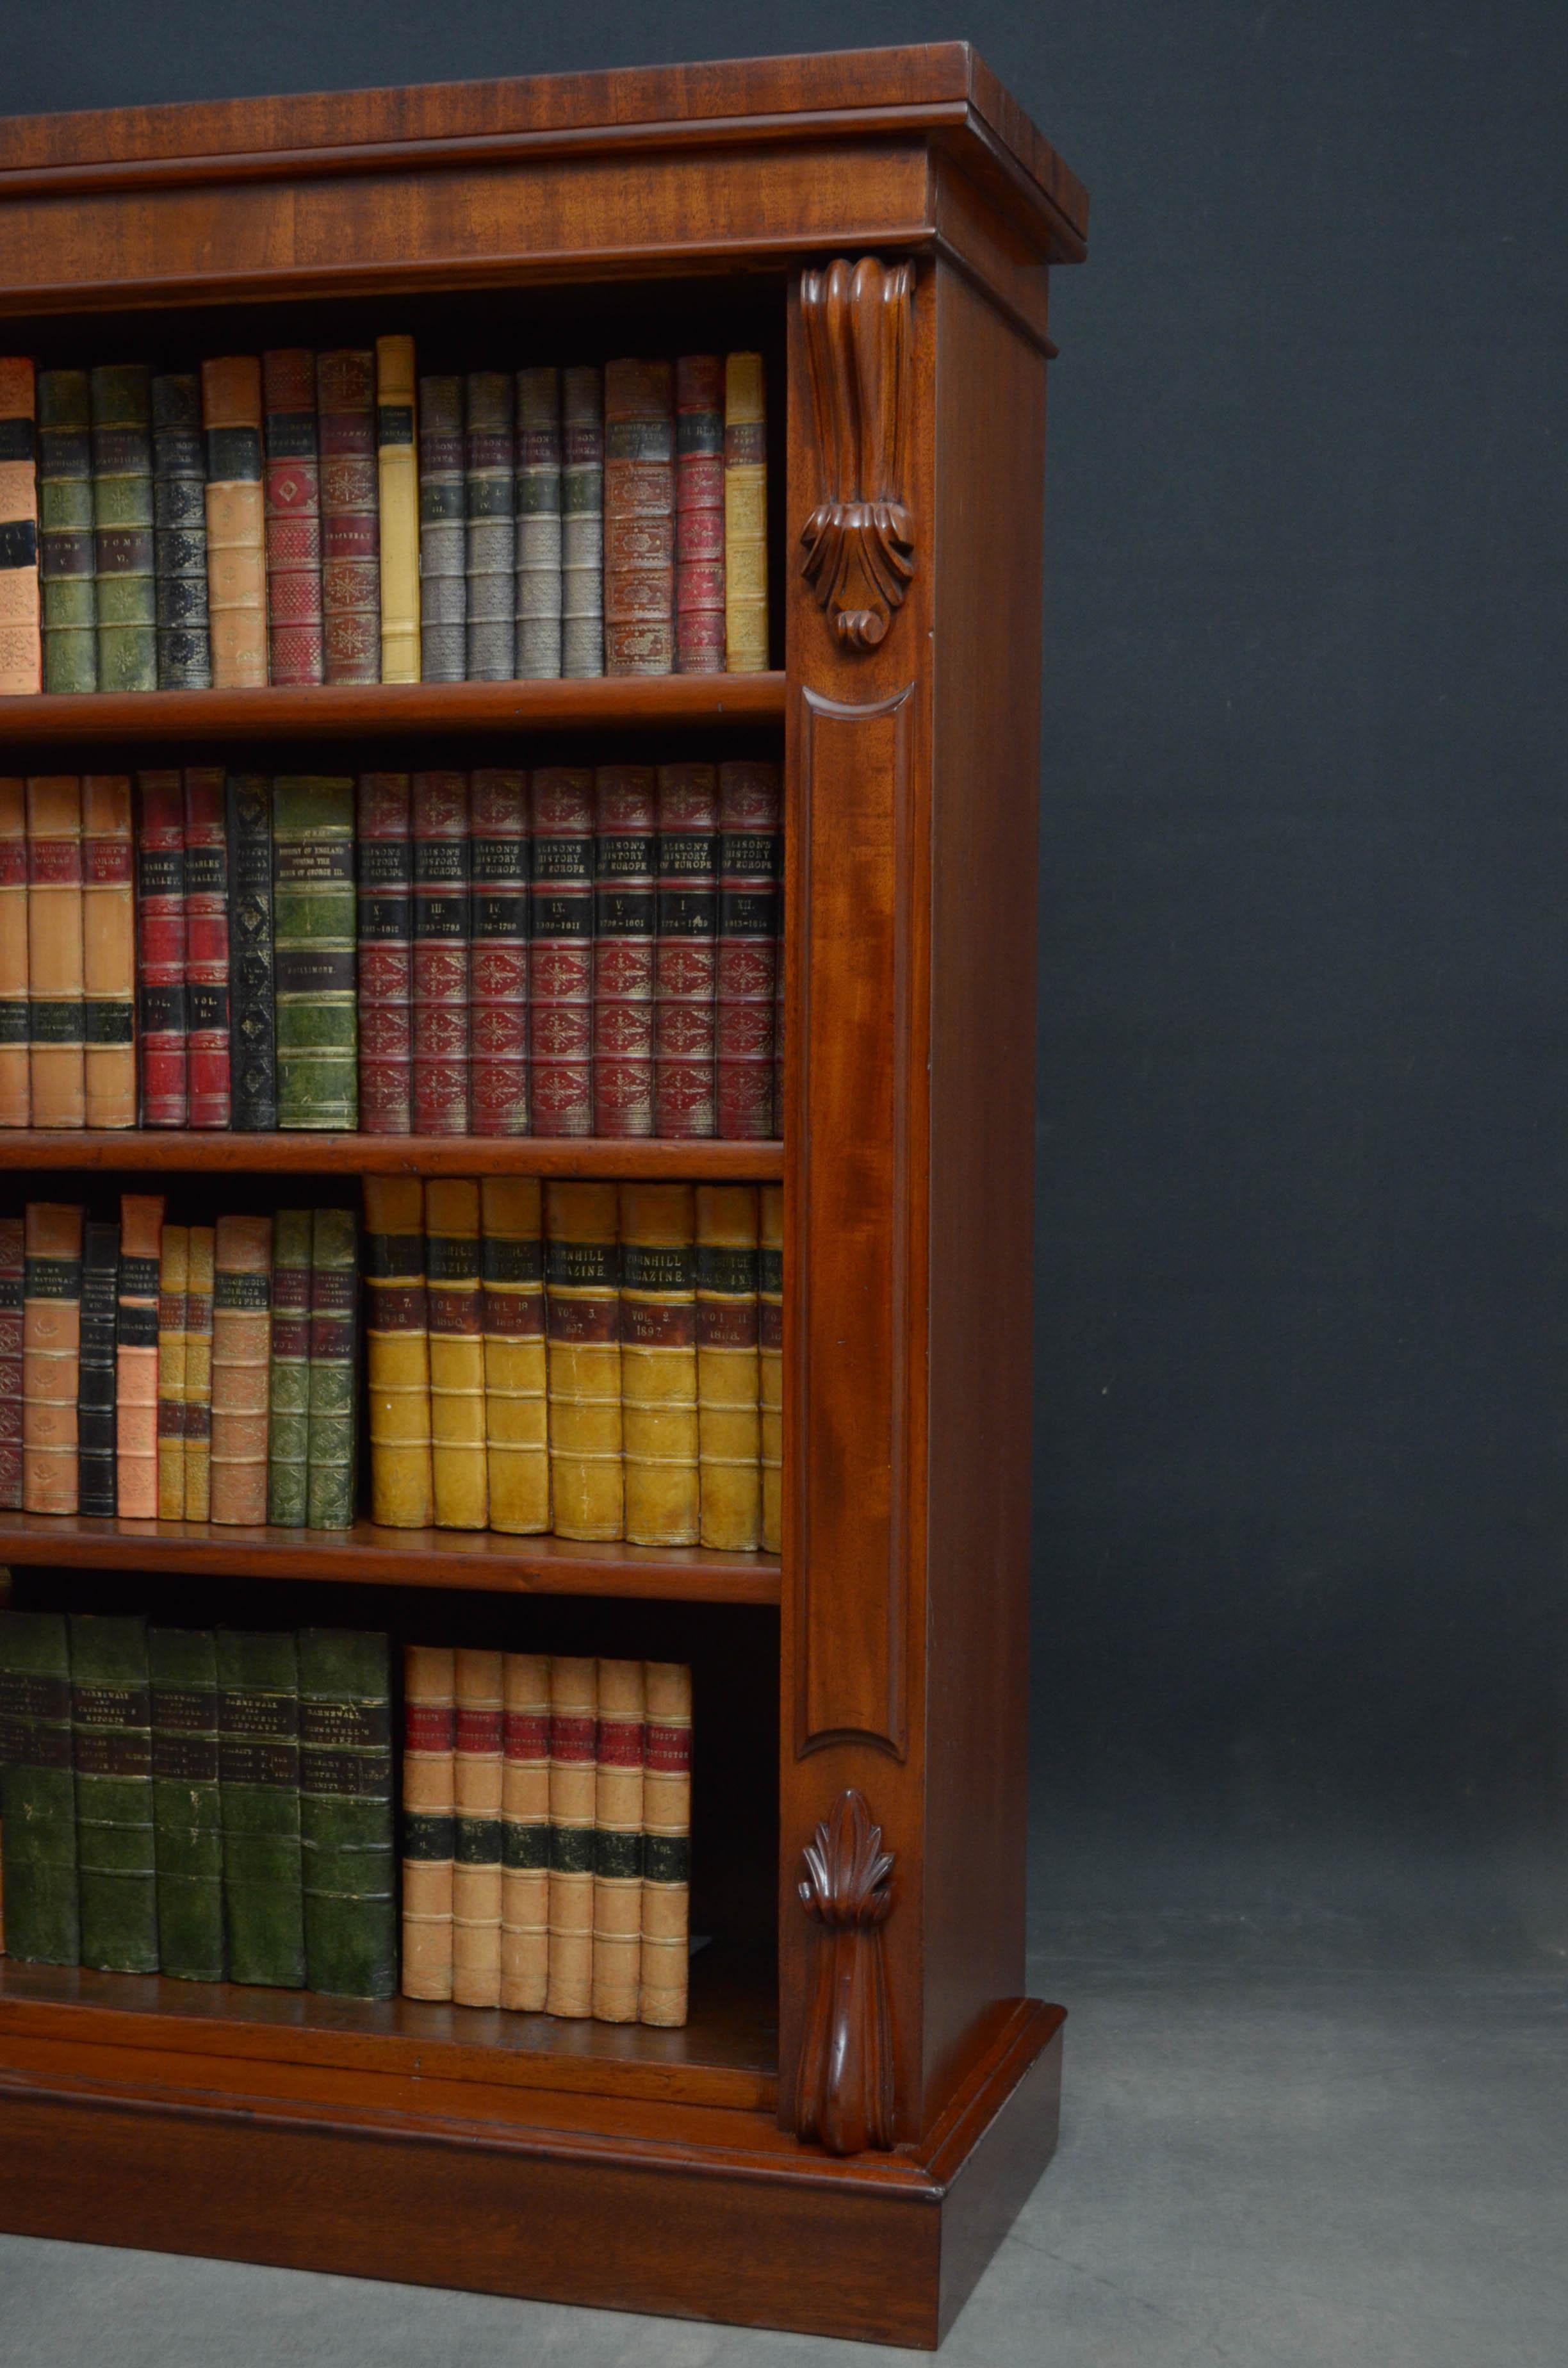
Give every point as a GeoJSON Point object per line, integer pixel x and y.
{"type": "Point", "coordinates": [844, 2092]}
{"type": "Point", "coordinates": [858, 543]}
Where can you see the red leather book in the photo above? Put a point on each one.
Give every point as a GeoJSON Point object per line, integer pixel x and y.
{"type": "Point", "coordinates": [161, 949]}
{"type": "Point", "coordinates": [350, 518]}
{"type": "Point", "coordinates": [561, 951]}
{"type": "Point", "coordinates": [686, 965]}
{"type": "Point", "coordinates": [640, 501]}
{"type": "Point", "coordinates": [778, 1012]}
{"type": "Point", "coordinates": [207, 945]}
{"type": "Point", "coordinates": [626, 801]}
{"type": "Point", "coordinates": [386, 955]}
{"type": "Point", "coordinates": [748, 945]}
{"type": "Point", "coordinates": [293, 480]}
{"type": "Point", "coordinates": [498, 1009]}
{"type": "Point", "coordinates": [699, 513]}
{"type": "Point", "coordinates": [441, 936]}
{"type": "Point", "coordinates": [10, 1364]}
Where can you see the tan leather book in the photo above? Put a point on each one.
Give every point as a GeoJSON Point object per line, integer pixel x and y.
{"type": "Point", "coordinates": [198, 1374]}
{"type": "Point", "coordinates": [573, 1771]}
{"type": "Point", "coordinates": [21, 657]}
{"type": "Point", "coordinates": [55, 1020]}
{"type": "Point", "coordinates": [658, 1363]}
{"type": "Point", "coordinates": [770, 1361]}
{"type": "Point", "coordinates": [173, 1281]}
{"type": "Point", "coordinates": [457, 1353]}
{"type": "Point", "coordinates": [398, 477]}
{"type": "Point", "coordinates": [242, 1347]}
{"type": "Point", "coordinates": [517, 1429]}
{"type": "Point", "coordinates": [236, 525]}
{"type": "Point", "coordinates": [429, 1741]}
{"type": "Point", "coordinates": [476, 1872]}
{"type": "Point", "coordinates": [746, 515]}
{"type": "Point", "coordinates": [618, 1842]}
{"type": "Point", "coordinates": [397, 1353]}
{"type": "Point", "coordinates": [16, 1093]}
{"type": "Point", "coordinates": [729, 1428]}
{"type": "Point", "coordinates": [136, 1357]}
{"type": "Point", "coordinates": [51, 1347]}
{"type": "Point", "coordinates": [524, 1832]}
{"type": "Point", "coordinates": [667, 1844]}
{"type": "Point", "coordinates": [108, 949]}
{"type": "Point", "coordinates": [583, 1323]}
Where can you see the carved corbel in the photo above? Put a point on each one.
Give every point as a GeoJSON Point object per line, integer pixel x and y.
{"type": "Point", "coordinates": [844, 2093]}
{"type": "Point", "coordinates": [858, 543]}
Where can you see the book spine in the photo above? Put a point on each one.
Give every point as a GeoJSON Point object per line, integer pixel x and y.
{"type": "Point", "coordinates": [38, 1790]}
{"type": "Point", "coordinates": [582, 520]}
{"type": "Point", "coordinates": [198, 1375]}
{"type": "Point", "coordinates": [334, 1307]}
{"type": "Point", "coordinates": [624, 915]}
{"type": "Point", "coordinates": [686, 962]}
{"type": "Point", "coordinates": [442, 931]}
{"type": "Point", "coordinates": [666, 1845]}
{"type": "Point", "coordinates": [397, 1353]}
{"type": "Point", "coordinates": [491, 530]}
{"type": "Point", "coordinates": [351, 567]}
{"type": "Point", "coordinates": [658, 1363]}
{"type": "Point", "coordinates": [123, 558]}
{"type": "Point", "coordinates": [499, 915]}
{"type": "Point", "coordinates": [11, 1274]}
{"type": "Point", "coordinates": [640, 501]}
{"type": "Point", "coordinates": [748, 946]}
{"type": "Point", "coordinates": [539, 522]}
{"type": "Point", "coordinates": [253, 1051]}
{"type": "Point", "coordinates": [241, 1346]}
{"type": "Point", "coordinates": [729, 1436]}
{"type": "Point", "coordinates": [21, 648]}
{"type": "Point", "coordinates": [56, 1010]}
{"type": "Point", "coordinates": [746, 515]}
{"type": "Point", "coordinates": [16, 1089]}
{"type": "Point", "coordinates": [174, 1288]}
{"type": "Point", "coordinates": [179, 535]}
{"type": "Point", "coordinates": [574, 1756]}
{"type": "Point", "coordinates": [349, 1875]}
{"type": "Point", "coordinates": [206, 946]}
{"type": "Point", "coordinates": [560, 952]}
{"type": "Point", "coordinates": [582, 1272]}
{"type": "Point", "coordinates": [236, 544]}
{"type": "Point", "coordinates": [443, 557]}
{"type": "Point", "coordinates": [96, 1379]}
{"type": "Point", "coordinates": [293, 516]}
{"type": "Point", "coordinates": [112, 1747]}
{"type": "Point", "coordinates": [778, 982]}
{"type": "Point", "coordinates": [313, 925]}
{"type": "Point", "coordinates": [770, 1361]}
{"type": "Point", "coordinates": [699, 513]}
{"type": "Point", "coordinates": [429, 1810]}
{"type": "Point", "coordinates": [52, 1345]}
{"type": "Point", "coordinates": [161, 1007]}
{"type": "Point", "coordinates": [67, 564]}
{"type": "Point", "coordinates": [289, 1371]}
{"type": "Point", "coordinates": [476, 1872]}
{"type": "Point", "coordinates": [136, 1356]}
{"type": "Point", "coordinates": [525, 1833]}
{"type": "Point", "coordinates": [109, 950]}
{"type": "Point", "coordinates": [618, 1842]}
{"type": "Point", "coordinates": [187, 1819]}
{"type": "Point", "coordinates": [386, 955]}
{"type": "Point", "coordinates": [516, 1394]}
{"type": "Point", "coordinates": [259, 1764]}
{"type": "Point", "coordinates": [457, 1353]}
{"type": "Point", "coordinates": [398, 483]}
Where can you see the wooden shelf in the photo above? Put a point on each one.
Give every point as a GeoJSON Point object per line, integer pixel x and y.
{"type": "Point", "coordinates": [176, 1150]}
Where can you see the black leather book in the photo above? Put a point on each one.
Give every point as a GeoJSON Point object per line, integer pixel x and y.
{"type": "Point", "coordinates": [95, 1397]}
{"type": "Point", "coordinates": [179, 514]}
{"type": "Point", "coordinates": [253, 1037]}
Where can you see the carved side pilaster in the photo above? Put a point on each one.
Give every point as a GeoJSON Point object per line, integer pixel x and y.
{"type": "Point", "coordinates": [858, 543]}
{"type": "Point", "coordinates": [844, 2094]}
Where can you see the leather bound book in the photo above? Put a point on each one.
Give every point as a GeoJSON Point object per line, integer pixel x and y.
{"type": "Point", "coordinates": [476, 1871]}
{"type": "Point", "coordinates": [52, 1344]}
{"type": "Point", "coordinates": [198, 1375]}
{"type": "Point", "coordinates": [658, 1363]}
{"type": "Point", "coordinates": [699, 513]}
{"type": "Point", "coordinates": [582, 520]}
{"type": "Point", "coordinates": [397, 1353]}
{"type": "Point", "coordinates": [442, 927]}
{"type": "Point", "coordinates": [573, 1757]}
{"type": "Point", "coordinates": [492, 533]}
{"type": "Point", "coordinates": [582, 1270]}
{"type": "Point", "coordinates": [122, 404]}
{"type": "Point", "coordinates": [778, 983]}
{"type": "Point", "coordinates": [748, 946]}
{"type": "Point", "coordinates": [625, 803]}
{"type": "Point", "coordinates": [160, 1008]}
{"type": "Point", "coordinates": [236, 540]}
{"type": "Point", "coordinates": [67, 554]}
{"type": "Point", "coordinates": [525, 1833]}
{"type": "Point", "coordinates": [292, 515]}
{"type": "Point", "coordinates": [770, 1361]}
{"type": "Point", "coordinates": [397, 475]}
{"type": "Point", "coordinates": [457, 1353]}
{"type": "Point", "coordinates": [253, 1051]}
{"type": "Point", "coordinates": [96, 1375]}
{"type": "Point", "coordinates": [21, 649]}
{"type": "Point", "coordinates": [618, 1842]}
{"type": "Point", "coordinates": [173, 1287]}
{"type": "Point", "coordinates": [386, 955]}
{"type": "Point", "coordinates": [15, 1091]}
{"type": "Point", "coordinates": [258, 1762]}
{"type": "Point", "coordinates": [242, 1348]}
{"type": "Point", "coordinates": [746, 515]}
{"type": "Point", "coordinates": [136, 1356]}
{"type": "Point", "coordinates": [56, 1012]}
{"type": "Point", "coordinates": [179, 534]}
{"type": "Point", "coordinates": [207, 945]}
{"type": "Point", "coordinates": [109, 950]}
{"type": "Point", "coordinates": [686, 962]}
{"type": "Point", "coordinates": [289, 1371]}
{"type": "Point", "coordinates": [517, 1426]}
{"type": "Point", "coordinates": [38, 1790]}
{"type": "Point", "coordinates": [443, 544]}
{"type": "Point", "coordinates": [349, 1872]}
{"type": "Point", "coordinates": [430, 1744]}
{"type": "Point", "coordinates": [313, 929]}
{"type": "Point", "coordinates": [639, 504]}
{"type": "Point", "coordinates": [539, 522]}
{"type": "Point", "coordinates": [351, 567]}
{"type": "Point", "coordinates": [498, 1005]}
{"type": "Point", "coordinates": [334, 1305]}
{"type": "Point", "coordinates": [112, 1746]}
{"type": "Point", "coordinates": [187, 1816]}
{"type": "Point", "coordinates": [560, 952]}
{"type": "Point", "coordinates": [666, 1845]}
{"type": "Point", "coordinates": [729, 1433]}
{"type": "Point", "coordinates": [11, 1272]}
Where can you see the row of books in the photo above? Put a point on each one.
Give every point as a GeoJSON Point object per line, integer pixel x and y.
{"type": "Point", "coordinates": [572, 951]}
{"type": "Point", "coordinates": [301, 517]}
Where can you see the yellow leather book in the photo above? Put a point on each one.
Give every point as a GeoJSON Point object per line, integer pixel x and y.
{"type": "Point", "coordinates": [516, 1419]}
{"type": "Point", "coordinates": [429, 1802]}
{"type": "Point", "coordinates": [618, 1843]}
{"type": "Point", "coordinates": [770, 1361]}
{"type": "Point", "coordinates": [236, 525]}
{"type": "Point", "coordinates": [51, 1352]}
{"type": "Point", "coordinates": [476, 1872]}
{"type": "Point", "coordinates": [136, 1357]}
{"type": "Point", "coordinates": [666, 1843]}
{"type": "Point", "coordinates": [524, 1845]}
{"type": "Point", "coordinates": [397, 1354]}
{"type": "Point", "coordinates": [174, 1280]}
{"type": "Point", "coordinates": [55, 1017]}
{"type": "Point", "coordinates": [746, 515]}
{"type": "Point", "coordinates": [728, 1430]}
{"type": "Point", "coordinates": [15, 1096]}
{"type": "Point", "coordinates": [582, 1270]}
{"type": "Point", "coordinates": [574, 1740]}
{"type": "Point", "coordinates": [397, 474]}
{"type": "Point", "coordinates": [198, 1374]}
{"type": "Point", "coordinates": [108, 949]}
{"type": "Point", "coordinates": [658, 1363]}
{"type": "Point", "coordinates": [242, 1348]}
{"type": "Point", "coordinates": [457, 1353]}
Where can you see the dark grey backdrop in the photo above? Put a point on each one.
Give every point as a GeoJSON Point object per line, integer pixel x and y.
{"type": "Point", "coordinates": [1304, 1123]}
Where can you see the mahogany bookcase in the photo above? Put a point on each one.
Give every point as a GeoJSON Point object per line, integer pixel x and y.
{"type": "Point", "coordinates": [862, 2098]}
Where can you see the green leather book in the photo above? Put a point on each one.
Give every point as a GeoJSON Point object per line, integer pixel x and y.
{"type": "Point", "coordinates": [111, 1721]}
{"type": "Point", "coordinates": [346, 1813]}
{"type": "Point", "coordinates": [259, 1764]}
{"type": "Point", "coordinates": [67, 562]}
{"type": "Point", "coordinates": [313, 924]}
{"type": "Point", "coordinates": [187, 1803]}
{"type": "Point", "coordinates": [288, 1385]}
{"type": "Point", "coordinates": [122, 520]}
{"type": "Point", "coordinates": [335, 1292]}
{"type": "Point", "coordinates": [37, 1794]}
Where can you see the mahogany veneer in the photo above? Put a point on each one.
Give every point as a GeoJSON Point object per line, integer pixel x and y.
{"type": "Point", "coordinates": [174, 1151]}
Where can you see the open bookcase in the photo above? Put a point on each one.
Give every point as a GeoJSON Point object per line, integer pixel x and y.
{"type": "Point", "coordinates": [862, 2098]}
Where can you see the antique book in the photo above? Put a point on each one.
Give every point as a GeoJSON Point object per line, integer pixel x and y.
{"type": "Point", "coordinates": [624, 856]}
{"type": "Point", "coordinates": [16, 1093]}
{"type": "Point", "coordinates": [56, 1012]}
{"type": "Point", "coordinates": [397, 474]}
{"type": "Point", "coordinates": [574, 1735]}
{"type": "Point", "coordinates": [160, 1008]}
{"type": "Point", "coordinates": [667, 1844]}
{"type": "Point", "coordinates": [52, 1342]}
{"type": "Point", "coordinates": [524, 1832]}
{"type": "Point", "coordinates": [457, 1352]}
{"type": "Point", "coordinates": [430, 1744]}
{"type": "Point", "coordinates": [111, 1749]}
{"type": "Point", "coordinates": [198, 1375]}
{"type": "Point", "coordinates": [386, 955]}
{"type": "Point", "coordinates": [583, 1329]}
{"type": "Point", "coordinates": [491, 461]}
{"type": "Point", "coordinates": [397, 1353]}
{"type": "Point", "coordinates": [476, 1870]}
{"type": "Point", "coordinates": [289, 1371]}
{"type": "Point", "coordinates": [582, 520]}
{"type": "Point", "coordinates": [770, 1361]}
{"type": "Point", "coordinates": [259, 1764]}
{"type": "Point", "coordinates": [560, 952]}
{"type": "Point", "coordinates": [746, 515]}
{"type": "Point", "coordinates": [779, 986]}
{"type": "Point", "coordinates": [443, 554]}
{"type": "Point", "coordinates": [96, 1374]}
{"type": "Point", "coordinates": [241, 1349]}
{"type": "Point", "coordinates": [136, 1356]}
{"type": "Point", "coordinates": [109, 950]}
{"type": "Point", "coordinates": [253, 1053]}
{"type": "Point", "coordinates": [498, 976]}
{"type": "Point", "coordinates": [314, 921]}
{"type": "Point", "coordinates": [351, 570]}
{"type": "Point", "coordinates": [236, 547]}
{"type": "Point", "coordinates": [173, 1287]}
{"type": "Point", "coordinates": [38, 1790]}
{"type": "Point", "coordinates": [516, 1396]}
{"type": "Point", "coordinates": [640, 503]}
{"type": "Point", "coordinates": [748, 945]}
{"type": "Point", "coordinates": [442, 927]}
{"type": "Point", "coordinates": [347, 1846]}
{"type": "Point", "coordinates": [538, 522]}
{"type": "Point", "coordinates": [334, 1302]}
{"type": "Point", "coordinates": [66, 555]}
{"type": "Point", "coordinates": [686, 961]}
{"type": "Point", "coordinates": [21, 649]}
{"type": "Point", "coordinates": [206, 946]}
{"type": "Point", "coordinates": [658, 1363]}
{"type": "Point", "coordinates": [699, 513]}
{"type": "Point", "coordinates": [121, 396]}
{"type": "Point", "coordinates": [729, 1435]}
{"type": "Point", "coordinates": [618, 1842]}
{"type": "Point", "coordinates": [292, 515]}
{"type": "Point", "coordinates": [179, 534]}
{"type": "Point", "coordinates": [187, 1816]}
{"type": "Point", "coordinates": [11, 1272]}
